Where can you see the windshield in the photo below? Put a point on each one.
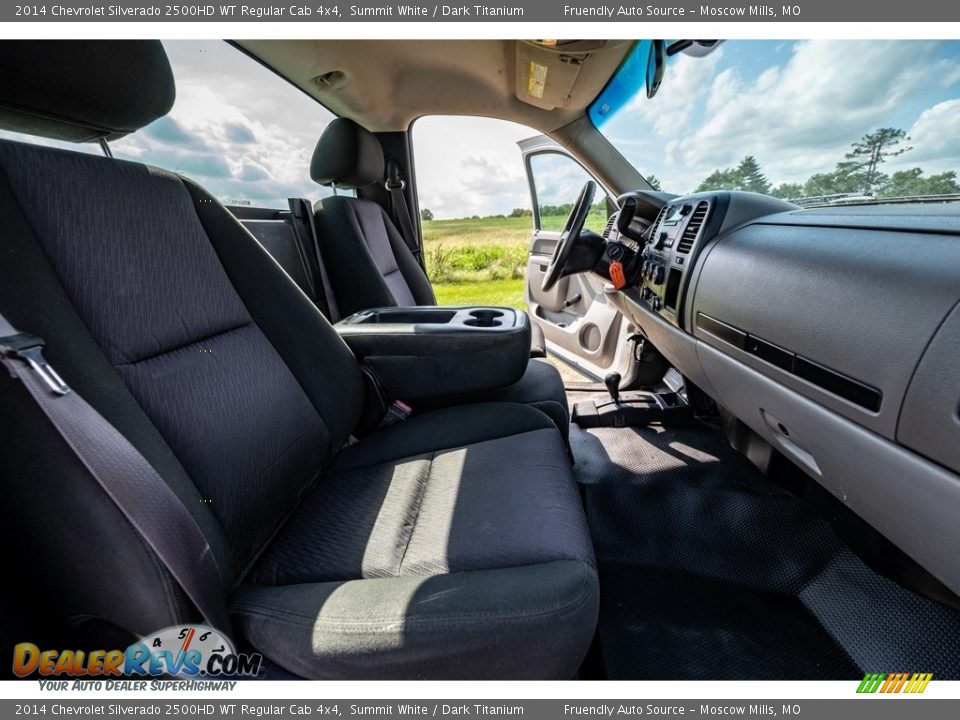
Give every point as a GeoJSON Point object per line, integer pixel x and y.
{"type": "Point", "coordinates": [819, 122]}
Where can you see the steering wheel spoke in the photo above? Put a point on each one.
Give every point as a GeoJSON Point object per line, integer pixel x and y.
{"type": "Point", "coordinates": [569, 236]}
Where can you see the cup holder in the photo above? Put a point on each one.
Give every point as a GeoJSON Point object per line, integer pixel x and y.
{"type": "Point", "coordinates": [485, 318]}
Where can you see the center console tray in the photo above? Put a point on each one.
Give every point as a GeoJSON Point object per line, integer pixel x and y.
{"type": "Point", "coordinates": [426, 352]}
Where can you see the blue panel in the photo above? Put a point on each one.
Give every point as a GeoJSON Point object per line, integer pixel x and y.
{"type": "Point", "coordinates": [629, 79]}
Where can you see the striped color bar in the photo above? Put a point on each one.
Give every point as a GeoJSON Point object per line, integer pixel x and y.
{"type": "Point", "coordinates": [871, 682]}
{"type": "Point", "coordinates": [894, 682]}
{"type": "Point", "coordinates": [918, 682]}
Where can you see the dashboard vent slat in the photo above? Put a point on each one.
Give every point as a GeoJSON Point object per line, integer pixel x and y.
{"type": "Point", "coordinates": [693, 228]}
{"type": "Point", "coordinates": [609, 227]}
{"type": "Point", "coordinates": [656, 223]}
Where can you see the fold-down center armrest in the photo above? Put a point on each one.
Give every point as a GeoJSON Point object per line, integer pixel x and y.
{"type": "Point", "coordinates": [425, 352]}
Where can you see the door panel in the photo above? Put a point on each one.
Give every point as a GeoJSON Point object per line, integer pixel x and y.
{"type": "Point", "coordinates": [542, 246]}
{"type": "Point", "coordinates": [579, 325]}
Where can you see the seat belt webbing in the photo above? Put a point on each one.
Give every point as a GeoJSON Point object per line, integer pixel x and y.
{"type": "Point", "coordinates": [135, 487]}
{"type": "Point", "coordinates": [401, 212]}
{"type": "Point", "coordinates": [304, 222]}
{"type": "Point", "coordinates": [304, 243]}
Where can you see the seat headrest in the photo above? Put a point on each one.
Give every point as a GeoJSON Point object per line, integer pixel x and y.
{"type": "Point", "coordinates": [347, 155]}
{"type": "Point", "coordinates": [83, 90]}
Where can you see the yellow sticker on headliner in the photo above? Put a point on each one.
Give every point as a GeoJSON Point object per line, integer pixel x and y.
{"type": "Point", "coordinates": [537, 82]}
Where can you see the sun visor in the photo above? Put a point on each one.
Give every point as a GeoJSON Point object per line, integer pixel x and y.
{"type": "Point", "coordinates": [546, 70]}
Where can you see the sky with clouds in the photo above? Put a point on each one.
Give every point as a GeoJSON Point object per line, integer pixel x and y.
{"type": "Point", "coordinates": [247, 135]}
{"type": "Point", "coordinates": [796, 106]}
{"type": "Point", "coordinates": [469, 165]}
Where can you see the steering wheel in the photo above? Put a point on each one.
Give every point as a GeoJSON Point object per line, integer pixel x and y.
{"type": "Point", "coordinates": [568, 236]}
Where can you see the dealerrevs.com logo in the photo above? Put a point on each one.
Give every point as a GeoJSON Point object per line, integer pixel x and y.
{"type": "Point", "coordinates": [184, 651]}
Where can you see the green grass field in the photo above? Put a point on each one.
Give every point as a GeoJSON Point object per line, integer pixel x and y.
{"type": "Point", "coordinates": [482, 261]}
{"type": "Point", "coordinates": [506, 293]}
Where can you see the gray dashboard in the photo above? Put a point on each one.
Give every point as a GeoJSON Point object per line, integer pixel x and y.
{"type": "Point", "coordinates": [832, 333]}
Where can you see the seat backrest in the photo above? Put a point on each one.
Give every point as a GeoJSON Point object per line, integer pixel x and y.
{"type": "Point", "coordinates": [171, 320]}
{"type": "Point", "coordinates": [369, 263]}
{"type": "Point", "coordinates": [274, 230]}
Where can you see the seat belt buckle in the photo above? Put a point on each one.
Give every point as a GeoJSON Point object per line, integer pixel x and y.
{"type": "Point", "coordinates": [397, 412]}
{"type": "Point", "coordinates": [29, 349]}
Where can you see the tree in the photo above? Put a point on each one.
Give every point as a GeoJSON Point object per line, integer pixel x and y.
{"type": "Point", "coordinates": [750, 177]}
{"type": "Point", "coordinates": [426, 215]}
{"type": "Point", "coordinates": [838, 182]}
{"type": "Point", "coordinates": [787, 191]}
{"type": "Point", "coordinates": [746, 176]}
{"type": "Point", "coordinates": [554, 210]}
{"type": "Point", "coordinates": [654, 182]}
{"type": "Point", "coordinates": [720, 180]}
{"type": "Point", "coordinates": [869, 153]}
{"type": "Point", "coordinates": [911, 182]}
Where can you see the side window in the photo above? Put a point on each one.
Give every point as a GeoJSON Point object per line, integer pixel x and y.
{"type": "Point", "coordinates": [474, 208]}
{"type": "Point", "coordinates": [557, 181]}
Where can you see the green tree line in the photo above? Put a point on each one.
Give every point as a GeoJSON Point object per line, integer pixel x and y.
{"type": "Point", "coordinates": [859, 173]}
{"type": "Point", "coordinates": [600, 206]}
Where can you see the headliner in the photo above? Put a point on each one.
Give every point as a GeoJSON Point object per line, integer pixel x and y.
{"type": "Point", "coordinates": [387, 84]}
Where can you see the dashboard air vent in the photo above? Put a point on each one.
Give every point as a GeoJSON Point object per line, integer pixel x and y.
{"type": "Point", "coordinates": [656, 223]}
{"type": "Point", "coordinates": [693, 228]}
{"type": "Point", "coordinates": [609, 227]}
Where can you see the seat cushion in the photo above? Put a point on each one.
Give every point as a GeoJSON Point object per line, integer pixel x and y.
{"type": "Point", "coordinates": [461, 526]}
{"type": "Point", "coordinates": [541, 387]}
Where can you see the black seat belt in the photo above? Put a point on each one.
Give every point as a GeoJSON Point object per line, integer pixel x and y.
{"type": "Point", "coordinates": [135, 487]}
{"type": "Point", "coordinates": [304, 245]}
{"type": "Point", "coordinates": [401, 213]}
{"type": "Point", "coordinates": [304, 226]}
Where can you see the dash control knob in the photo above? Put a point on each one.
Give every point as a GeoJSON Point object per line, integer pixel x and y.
{"type": "Point", "coordinates": [658, 275]}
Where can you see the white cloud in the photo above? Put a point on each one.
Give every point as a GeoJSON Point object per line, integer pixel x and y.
{"type": "Point", "coordinates": [469, 165]}
{"type": "Point", "coordinates": [236, 128]}
{"type": "Point", "coordinates": [800, 117]}
{"type": "Point", "coordinates": [935, 138]}
{"type": "Point", "coordinates": [947, 72]}
{"type": "Point", "coordinates": [558, 178]}
{"type": "Point", "coordinates": [670, 111]}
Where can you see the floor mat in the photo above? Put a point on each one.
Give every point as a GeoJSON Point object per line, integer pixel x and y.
{"type": "Point", "coordinates": [709, 571]}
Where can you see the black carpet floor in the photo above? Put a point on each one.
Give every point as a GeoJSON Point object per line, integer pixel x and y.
{"type": "Point", "coordinates": [709, 571]}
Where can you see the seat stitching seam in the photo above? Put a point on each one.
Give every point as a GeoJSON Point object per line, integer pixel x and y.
{"type": "Point", "coordinates": [345, 624]}
{"type": "Point", "coordinates": [416, 516]}
{"type": "Point", "coordinates": [552, 429]}
{"type": "Point", "coordinates": [185, 345]}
